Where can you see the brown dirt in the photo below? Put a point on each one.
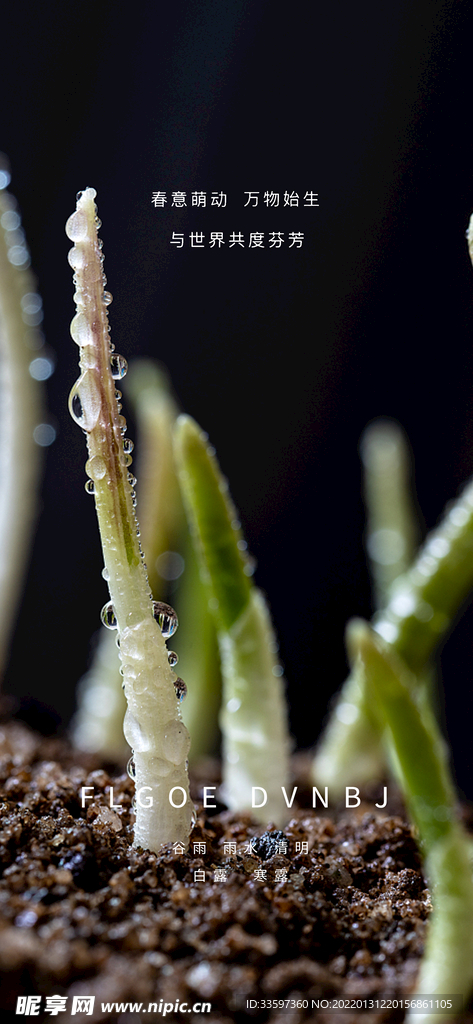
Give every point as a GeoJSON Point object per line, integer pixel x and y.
{"type": "Point", "coordinates": [82, 913]}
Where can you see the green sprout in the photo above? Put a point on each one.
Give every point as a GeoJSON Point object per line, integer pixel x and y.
{"type": "Point", "coordinates": [253, 717]}
{"type": "Point", "coordinates": [153, 725]}
{"type": "Point", "coordinates": [422, 606]}
{"type": "Point", "coordinates": [423, 771]}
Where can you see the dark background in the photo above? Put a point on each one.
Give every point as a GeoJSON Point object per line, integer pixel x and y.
{"type": "Point", "coordinates": [283, 356]}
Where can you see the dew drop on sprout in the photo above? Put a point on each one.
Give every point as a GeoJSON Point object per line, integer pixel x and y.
{"type": "Point", "coordinates": [76, 226]}
{"type": "Point", "coordinates": [173, 658]}
{"type": "Point", "coordinates": [180, 688]}
{"type": "Point", "coordinates": [75, 406]}
{"type": "Point", "coordinates": [81, 331]}
{"type": "Point", "coordinates": [77, 257]}
{"type": "Point", "coordinates": [107, 298]}
{"type": "Point", "coordinates": [128, 446]}
{"type": "Point", "coordinates": [166, 618]}
{"type": "Point", "coordinates": [95, 467]}
{"type": "Point", "coordinates": [85, 402]}
{"type": "Point", "coordinates": [131, 768]}
{"type": "Point", "coordinates": [118, 365]}
{"type": "Point", "coordinates": [108, 616]}
{"type": "Point", "coordinates": [89, 487]}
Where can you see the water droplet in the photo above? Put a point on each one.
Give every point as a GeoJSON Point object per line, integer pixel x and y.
{"type": "Point", "coordinates": [88, 357]}
{"type": "Point", "coordinates": [108, 616]}
{"type": "Point", "coordinates": [89, 487]}
{"type": "Point", "coordinates": [173, 658]}
{"type": "Point", "coordinates": [131, 768]}
{"type": "Point", "coordinates": [166, 618]}
{"type": "Point", "coordinates": [122, 424]}
{"type": "Point", "coordinates": [128, 446]}
{"type": "Point", "coordinates": [96, 468]}
{"type": "Point", "coordinates": [105, 573]}
{"type": "Point", "coordinates": [118, 394]}
{"type": "Point", "coordinates": [76, 226]}
{"type": "Point", "coordinates": [135, 735]}
{"type": "Point", "coordinates": [176, 742]}
{"type": "Point", "coordinates": [81, 331]}
{"type": "Point", "coordinates": [92, 193]}
{"type": "Point", "coordinates": [85, 401]}
{"type": "Point", "coordinates": [118, 365]}
{"type": "Point", "coordinates": [347, 713]}
{"type": "Point", "coordinates": [234, 704]}
{"type": "Point", "coordinates": [77, 257]}
{"type": "Point", "coordinates": [180, 688]}
{"type": "Point", "coordinates": [107, 298]}
{"type": "Point", "coordinates": [194, 817]}
{"type": "Point", "coordinates": [131, 479]}
{"type": "Point", "coordinates": [127, 460]}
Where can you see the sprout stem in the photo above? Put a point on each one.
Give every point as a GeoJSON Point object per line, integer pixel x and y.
{"type": "Point", "coordinates": [421, 756]}
{"type": "Point", "coordinates": [153, 726]}
{"type": "Point", "coordinates": [253, 717]}
{"type": "Point", "coordinates": [421, 609]}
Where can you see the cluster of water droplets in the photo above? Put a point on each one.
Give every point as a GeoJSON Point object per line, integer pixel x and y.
{"type": "Point", "coordinates": [167, 621]}
{"type": "Point", "coordinates": [85, 408]}
{"type": "Point", "coordinates": [84, 399]}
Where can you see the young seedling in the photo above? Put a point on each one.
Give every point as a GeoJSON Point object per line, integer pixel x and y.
{"type": "Point", "coordinates": [21, 428]}
{"type": "Point", "coordinates": [421, 605]}
{"type": "Point", "coordinates": [421, 609]}
{"type": "Point", "coordinates": [98, 723]}
{"type": "Point", "coordinates": [253, 716]}
{"type": "Point", "coordinates": [352, 745]}
{"type": "Point", "coordinates": [169, 547]}
{"type": "Point", "coordinates": [153, 726]}
{"type": "Point", "coordinates": [392, 530]}
{"type": "Point", "coordinates": [420, 752]}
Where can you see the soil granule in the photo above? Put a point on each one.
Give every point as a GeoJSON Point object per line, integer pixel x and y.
{"type": "Point", "coordinates": [329, 907]}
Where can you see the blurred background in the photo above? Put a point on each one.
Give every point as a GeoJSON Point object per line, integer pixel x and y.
{"type": "Point", "coordinates": [282, 355]}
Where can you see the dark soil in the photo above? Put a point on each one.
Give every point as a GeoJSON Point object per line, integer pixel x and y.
{"type": "Point", "coordinates": [83, 913]}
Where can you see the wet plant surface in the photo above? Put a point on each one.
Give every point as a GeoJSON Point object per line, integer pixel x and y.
{"type": "Point", "coordinates": [331, 905]}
